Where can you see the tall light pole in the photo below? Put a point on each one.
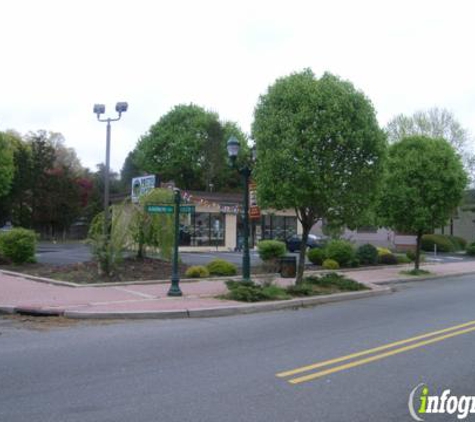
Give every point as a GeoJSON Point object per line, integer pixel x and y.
{"type": "Point", "coordinates": [99, 109]}
{"type": "Point", "coordinates": [245, 171]}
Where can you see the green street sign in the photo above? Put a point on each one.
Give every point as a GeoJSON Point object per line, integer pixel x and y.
{"type": "Point", "coordinates": [160, 209]}
{"type": "Point", "coordinates": [187, 209]}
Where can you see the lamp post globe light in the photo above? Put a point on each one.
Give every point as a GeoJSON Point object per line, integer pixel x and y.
{"type": "Point", "coordinates": [100, 109]}
{"type": "Point", "coordinates": [233, 147]}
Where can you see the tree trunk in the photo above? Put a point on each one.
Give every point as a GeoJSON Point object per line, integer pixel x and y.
{"type": "Point", "coordinates": [418, 251]}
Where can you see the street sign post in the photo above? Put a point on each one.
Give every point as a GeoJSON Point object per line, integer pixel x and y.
{"type": "Point", "coordinates": [176, 210]}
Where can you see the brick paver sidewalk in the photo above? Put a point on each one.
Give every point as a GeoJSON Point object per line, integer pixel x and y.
{"type": "Point", "coordinates": [20, 293]}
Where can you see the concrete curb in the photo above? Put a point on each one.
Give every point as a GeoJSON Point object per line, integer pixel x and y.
{"type": "Point", "coordinates": [419, 278]}
{"type": "Point", "coordinates": [176, 314]}
{"type": "Point", "coordinates": [220, 311]}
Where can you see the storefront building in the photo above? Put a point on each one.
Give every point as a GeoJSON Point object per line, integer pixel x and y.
{"type": "Point", "coordinates": [217, 223]}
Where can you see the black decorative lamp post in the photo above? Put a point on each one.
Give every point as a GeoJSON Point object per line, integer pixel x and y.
{"type": "Point", "coordinates": [245, 171]}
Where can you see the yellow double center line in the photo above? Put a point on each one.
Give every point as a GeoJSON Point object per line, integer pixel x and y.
{"type": "Point", "coordinates": [432, 337]}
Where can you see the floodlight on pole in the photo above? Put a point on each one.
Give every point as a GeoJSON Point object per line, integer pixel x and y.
{"type": "Point", "coordinates": [99, 109]}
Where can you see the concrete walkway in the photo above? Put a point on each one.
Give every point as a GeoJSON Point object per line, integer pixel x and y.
{"type": "Point", "coordinates": [150, 300]}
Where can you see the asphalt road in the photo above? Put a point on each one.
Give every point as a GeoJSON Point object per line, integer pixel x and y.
{"type": "Point", "coordinates": [225, 369]}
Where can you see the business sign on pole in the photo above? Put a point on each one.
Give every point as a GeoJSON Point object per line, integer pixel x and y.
{"type": "Point", "coordinates": [254, 210]}
{"type": "Point", "coordinates": [142, 185]}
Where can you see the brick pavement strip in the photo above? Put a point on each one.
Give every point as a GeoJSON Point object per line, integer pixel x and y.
{"type": "Point", "coordinates": [18, 294]}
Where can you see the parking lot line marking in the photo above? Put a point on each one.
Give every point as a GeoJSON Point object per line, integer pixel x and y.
{"type": "Point", "coordinates": [365, 361]}
{"type": "Point", "coordinates": [371, 351]}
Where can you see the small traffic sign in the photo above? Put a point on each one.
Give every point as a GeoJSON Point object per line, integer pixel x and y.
{"type": "Point", "coordinates": [160, 209]}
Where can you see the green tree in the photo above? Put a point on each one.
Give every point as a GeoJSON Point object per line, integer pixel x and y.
{"type": "Point", "coordinates": [320, 150]}
{"type": "Point", "coordinates": [153, 230]}
{"type": "Point", "coordinates": [6, 164]}
{"type": "Point", "coordinates": [96, 197]}
{"type": "Point", "coordinates": [61, 207]}
{"type": "Point", "coordinates": [435, 123]}
{"type": "Point", "coordinates": [425, 181]}
{"type": "Point", "coordinates": [188, 145]}
{"type": "Point", "coordinates": [129, 170]}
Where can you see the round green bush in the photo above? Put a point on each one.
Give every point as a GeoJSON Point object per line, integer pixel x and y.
{"type": "Point", "coordinates": [470, 250]}
{"type": "Point", "coordinates": [330, 264]}
{"type": "Point", "coordinates": [459, 242]}
{"type": "Point", "coordinates": [383, 251]}
{"type": "Point", "coordinates": [18, 245]}
{"type": "Point", "coordinates": [341, 251]}
{"type": "Point", "coordinates": [403, 259]}
{"type": "Point", "coordinates": [316, 256]}
{"type": "Point", "coordinates": [442, 242]}
{"type": "Point", "coordinates": [271, 249]}
{"type": "Point", "coordinates": [221, 267]}
{"type": "Point", "coordinates": [388, 259]}
{"type": "Point", "coordinates": [367, 254]}
{"type": "Point", "coordinates": [411, 255]}
{"type": "Point", "coordinates": [197, 271]}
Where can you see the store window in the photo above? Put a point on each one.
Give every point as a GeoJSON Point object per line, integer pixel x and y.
{"type": "Point", "coordinates": [278, 227]}
{"type": "Point", "coordinates": [203, 229]}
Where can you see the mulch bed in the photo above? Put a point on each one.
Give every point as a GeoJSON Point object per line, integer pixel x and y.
{"type": "Point", "coordinates": [86, 272]}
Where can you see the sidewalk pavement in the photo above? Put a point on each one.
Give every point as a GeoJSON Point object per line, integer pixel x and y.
{"type": "Point", "coordinates": [150, 300]}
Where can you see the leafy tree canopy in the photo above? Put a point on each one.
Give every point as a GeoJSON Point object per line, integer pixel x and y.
{"type": "Point", "coordinates": [188, 145]}
{"type": "Point", "coordinates": [425, 181]}
{"type": "Point", "coordinates": [6, 164]}
{"type": "Point", "coordinates": [319, 148]}
{"type": "Point", "coordinates": [435, 123]}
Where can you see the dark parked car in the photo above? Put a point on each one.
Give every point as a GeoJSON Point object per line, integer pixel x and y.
{"type": "Point", "coordinates": [313, 241]}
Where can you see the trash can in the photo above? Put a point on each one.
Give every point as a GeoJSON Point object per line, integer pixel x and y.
{"type": "Point", "coordinates": [288, 266]}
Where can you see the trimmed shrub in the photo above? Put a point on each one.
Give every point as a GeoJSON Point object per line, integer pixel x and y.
{"type": "Point", "coordinates": [388, 259]}
{"type": "Point", "coordinates": [459, 242]}
{"type": "Point", "coordinates": [197, 271]}
{"type": "Point", "coordinates": [300, 290]}
{"type": "Point", "coordinates": [248, 291]}
{"type": "Point", "coordinates": [316, 256]}
{"type": "Point", "coordinates": [330, 264]}
{"type": "Point", "coordinates": [271, 249]}
{"type": "Point", "coordinates": [335, 280]}
{"type": "Point", "coordinates": [18, 245]}
{"type": "Point", "coordinates": [221, 267]}
{"type": "Point", "coordinates": [340, 251]}
{"type": "Point", "coordinates": [403, 259]}
{"type": "Point", "coordinates": [442, 242]}
{"type": "Point", "coordinates": [383, 251]}
{"type": "Point", "coordinates": [244, 291]}
{"type": "Point", "coordinates": [367, 254]}
{"type": "Point", "coordinates": [411, 255]}
{"type": "Point", "coordinates": [470, 250]}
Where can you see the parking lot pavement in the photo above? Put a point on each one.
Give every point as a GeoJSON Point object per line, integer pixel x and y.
{"type": "Point", "coordinates": [69, 253]}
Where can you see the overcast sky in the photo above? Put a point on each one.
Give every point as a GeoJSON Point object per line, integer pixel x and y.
{"type": "Point", "coordinates": [61, 57]}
